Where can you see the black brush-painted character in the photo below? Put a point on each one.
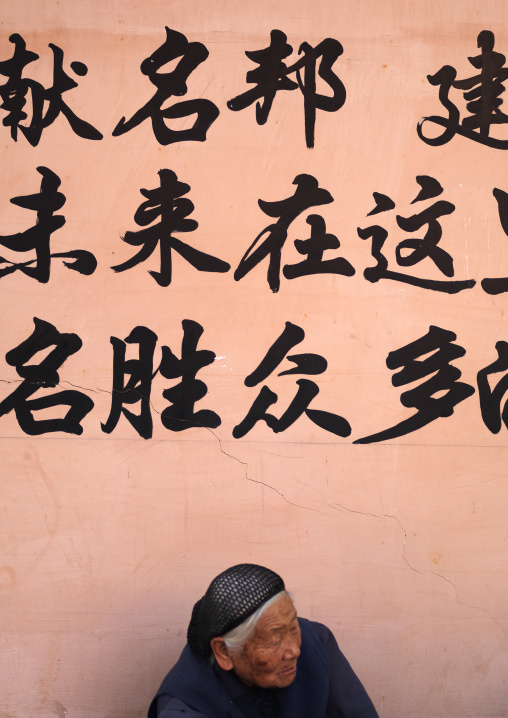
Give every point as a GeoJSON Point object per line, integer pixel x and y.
{"type": "Point", "coordinates": [312, 364]}
{"type": "Point", "coordinates": [490, 399]}
{"type": "Point", "coordinates": [173, 84]}
{"type": "Point", "coordinates": [270, 242]}
{"type": "Point", "coordinates": [15, 92]}
{"type": "Point", "coordinates": [132, 382]}
{"type": "Point", "coordinates": [37, 238]}
{"type": "Point", "coordinates": [167, 203]}
{"type": "Point", "coordinates": [411, 251]}
{"type": "Point", "coordinates": [498, 285]}
{"type": "Point", "coordinates": [482, 94]}
{"type": "Point", "coordinates": [437, 396]}
{"type": "Point", "coordinates": [272, 76]}
{"type": "Point", "coordinates": [42, 376]}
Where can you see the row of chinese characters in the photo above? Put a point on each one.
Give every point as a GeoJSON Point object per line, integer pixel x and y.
{"type": "Point", "coordinates": [427, 360]}
{"type": "Point", "coordinates": [167, 211]}
{"type": "Point", "coordinates": [272, 75]}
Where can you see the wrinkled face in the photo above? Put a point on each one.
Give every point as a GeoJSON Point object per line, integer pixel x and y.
{"type": "Point", "coordinates": [268, 659]}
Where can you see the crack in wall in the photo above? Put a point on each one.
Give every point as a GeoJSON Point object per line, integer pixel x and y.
{"type": "Point", "coordinates": [463, 603]}
{"type": "Point", "coordinates": [263, 483]}
{"type": "Point", "coordinates": [43, 385]}
{"type": "Point", "coordinates": [362, 513]}
{"type": "Point", "coordinates": [303, 507]}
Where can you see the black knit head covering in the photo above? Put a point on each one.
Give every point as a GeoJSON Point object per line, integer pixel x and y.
{"type": "Point", "coordinates": [230, 599]}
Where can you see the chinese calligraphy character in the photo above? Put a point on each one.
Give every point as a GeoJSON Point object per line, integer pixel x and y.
{"type": "Point", "coordinates": [137, 388]}
{"type": "Point", "coordinates": [490, 399]}
{"type": "Point", "coordinates": [45, 203]}
{"type": "Point", "coordinates": [312, 364]}
{"type": "Point", "coordinates": [498, 285]}
{"type": "Point", "coordinates": [14, 95]}
{"type": "Point", "coordinates": [482, 93]}
{"type": "Point", "coordinates": [439, 395]}
{"type": "Point", "coordinates": [43, 376]}
{"type": "Point", "coordinates": [412, 251]}
{"type": "Point", "coordinates": [167, 202]}
{"type": "Point", "coordinates": [271, 240]}
{"type": "Point", "coordinates": [272, 76]}
{"type": "Point", "coordinates": [171, 84]}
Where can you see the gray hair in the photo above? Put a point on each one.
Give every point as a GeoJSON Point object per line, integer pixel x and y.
{"type": "Point", "coordinates": [235, 639]}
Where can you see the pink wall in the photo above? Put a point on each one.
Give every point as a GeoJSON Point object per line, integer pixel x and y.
{"type": "Point", "coordinates": [400, 546]}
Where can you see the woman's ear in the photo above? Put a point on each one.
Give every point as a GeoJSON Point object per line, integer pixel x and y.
{"type": "Point", "coordinates": [221, 653]}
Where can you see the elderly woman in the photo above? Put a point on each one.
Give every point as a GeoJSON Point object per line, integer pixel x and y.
{"type": "Point", "coordinates": [249, 656]}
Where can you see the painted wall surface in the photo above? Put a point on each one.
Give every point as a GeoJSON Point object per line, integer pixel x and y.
{"type": "Point", "coordinates": [400, 545]}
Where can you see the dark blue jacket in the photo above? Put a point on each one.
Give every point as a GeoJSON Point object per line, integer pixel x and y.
{"type": "Point", "coordinates": [325, 686]}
